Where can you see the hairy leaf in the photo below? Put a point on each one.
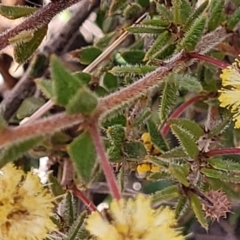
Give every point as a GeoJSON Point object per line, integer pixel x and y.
{"type": "Point", "coordinates": [46, 86]}
{"type": "Point", "coordinates": [223, 176]}
{"type": "Point", "coordinates": [197, 209]}
{"type": "Point", "coordinates": [193, 128]}
{"type": "Point", "coordinates": [65, 85]}
{"type": "Point", "coordinates": [88, 54]}
{"type": "Point", "coordinates": [194, 34]}
{"type": "Point", "coordinates": [23, 50]}
{"type": "Point", "coordinates": [216, 14]}
{"type": "Point", "coordinates": [76, 227]}
{"type": "Point", "coordinates": [166, 193]}
{"type": "Point", "coordinates": [110, 81]}
{"type": "Point", "coordinates": [186, 140]}
{"type": "Point", "coordinates": [84, 101]}
{"type": "Point", "coordinates": [55, 188]}
{"type": "Point", "coordinates": [133, 56]}
{"type": "Point", "coordinates": [140, 28]}
{"type": "Point", "coordinates": [181, 207]}
{"type": "Point", "coordinates": [156, 137]}
{"type": "Point", "coordinates": [195, 14]}
{"type": "Point", "coordinates": [233, 20]}
{"type": "Point", "coordinates": [132, 70]}
{"type": "Point", "coordinates": [164, 12]}
{"type": "Point", "coordinates": [14, 12]}
{"type": "Point", "coordinates": [13, 152]}
{"type": "Point", "coordinates": [225, 165]}
{"type": "Point", "coordinates": [180, 173]}
{"type": "Point", "coordinates": [29, 106]}
{"type": "Point", "coordinates": [168, 98]}
{"type": "Point", "coordinates": [83, 154]}
{"type": "Point", "coordinates": [159, 45]}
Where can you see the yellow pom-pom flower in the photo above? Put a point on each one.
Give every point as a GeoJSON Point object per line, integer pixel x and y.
{"type": "Point", "coordinates": [229, 94]}
{"type": "Point", "coordinates": [134, 219]}
{"type": "Point", "coordinates": [25, 206]}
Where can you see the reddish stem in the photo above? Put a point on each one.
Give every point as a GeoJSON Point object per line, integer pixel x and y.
{"type": "Point", "coordinates": [213, 61]}
{"type": "Point", "coordinates": [78, 193]}
{"type": "Point", "coordinates": [104, 162]}
{"type": "Point", "coordinates": [223, 151]}
{"type": "Point", "coordinates": [180, 110]}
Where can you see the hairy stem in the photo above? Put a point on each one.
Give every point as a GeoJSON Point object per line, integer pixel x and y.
{"type": "Point", "coordinates": [48, 125]}
{"type": "Point", "coordinates": [111, 180]}
{"type": "Point", "coordinates": [140, 87]}
{"type": "Point", "coordinates": [38, 19]}
{"type": "Point", "coordinates": [223, 151]}
{"type": "Point", "coordinates": [213, 61]}
{"type": "Point", "coordinates": [79, 194]}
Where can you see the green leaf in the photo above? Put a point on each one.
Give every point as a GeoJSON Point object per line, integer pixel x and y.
{"type": "Point", "coordinates": [24, 48]}
{"type": "Point", "coordinates": [180, 173]}
{"type": "Point", "coordinates": [133, 56]}
{"type": "Point", "coordinates": [133, 70]}
{"type": "Point", "coordinates": [117, 135]}
{"type": "Point", "coordinates": [181, 10]}
{"type": "Point", "coordinates": [186, 140]}
{"type": "Point", "coordinates": [165, 194]}
{"type": "Point", "coordinates": [69, 209]}
{"type": "Point", "coordinates": [132, 11]}
{"type": "Point", "coordinates": [167, 51]}
{"type": "Point", "coordinates": [193, 128]}
{"type": "Point", "coordinates": [104, 42]}
{"type": "Point", "coordinates": [29, 106]}
{"type": "Point", "coordinates": [84, 101]}
{"type": "Point", "coordinates": [175, 153]}
{"type": "Point", "coordinates": [189, 83]}
{"type": "Point", "coordinates": [184, 10]}
{"type": "Point", "coordinates": [110, 81]}
{"type": "Point", "coordinates": [164, 12]}
{"type": "Point", "coordinates": [46, 86]}
{"type": "Point", "coordinates": [215, 14]}
{"type": "Point", "coordinates": [134, 150]}
{"type": "Point", "coordinates": [55, 188]}
{"type": "Point", "coordinates": [143, 3]}
{"type": "Point", "coordinates": [159, 45]}
{"type": "Point", "coordinates": [156, 22]}
{"type": "Point", "coordinates": [181, 207]}
{"type": "Point", "coordinates": [223, 164]}
{"type": "Point", "coordinates": [195, 14]}
{"type": "Point", "coordinates": [194, 34]}
{"type": "Point", "coordinates": [223, 176]}
{"type": "Point", "coordinates": [233, 20]}
{"type": "Point", "coordinates": [114, 154]}
{"type": "Point", "coordinates": [14, 12]}
{"type": "Point", "coordinates": [156, 137]}
{"type": "Point", "coordinates": [176, 11]}
{"type": "Point", "coordinates": [168, 98]}
{"type": "Point", "coordinates": [83, 77]}
{"type": "Point", "coordinates": [116, 5]}
{"type": "Point", "coordinates": [83, 154]}
{"type": "Point", "coordinates": [3, 123]}
{"type": "Point", "coordinates": [88, 54]}
{"type": "Point", "coordinates": [140, 28]}
{"type": "Point", "coordinates": [13, 152]}
{"type": "Point", "coordinates": [197, 209]}
{"type": "Point", "coordinates": [65, 85]}
{"type": "Point", "coordinates": [142, 116]}
{"type": "Point", "coordinates": [76, 227]}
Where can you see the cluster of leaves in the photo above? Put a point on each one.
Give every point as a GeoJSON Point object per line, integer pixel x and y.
{"type": "Point", "coordinates": [188, 168]}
